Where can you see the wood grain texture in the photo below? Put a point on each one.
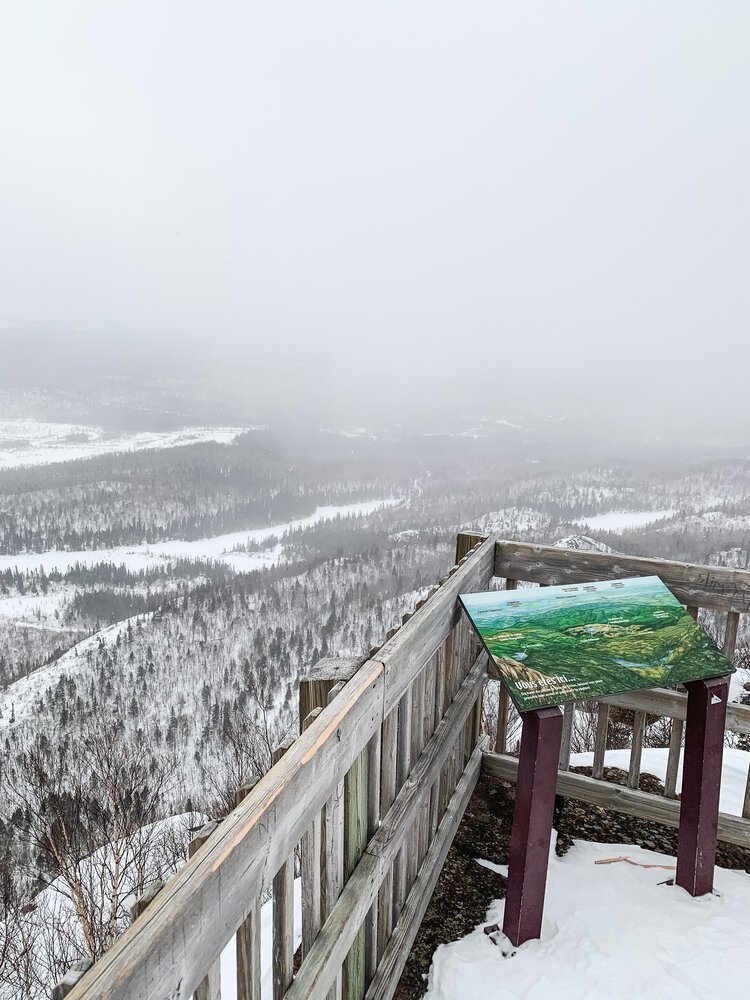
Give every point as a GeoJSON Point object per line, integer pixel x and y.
{"type": "Point", "coordinates": [600, 744]}
{"type": "Point", "coordinates": [632, 802]}
{"type": "Point", "coordinates": [247, 939]}
{"type": "Point", "coordinates": [209, 987]}
{"type": "Point", "coordinates": [340, 929]}
{"type": "Point", "coordinates": [567, 735]}
{"type": "Point", "coordinates": [707, 586]}
{"type": "Point", "coordinates": [673, 704]}
{"type": "Point", "coordinates": [396, 954]}
{"type": "Point", "coordinates": [673, 758]}
{"type": "Point", "coordinates": [636, 751]}
{"type": "Point", "coordinates": [282, 953]}
{"type": "Point", "coordinates": [169, 948]}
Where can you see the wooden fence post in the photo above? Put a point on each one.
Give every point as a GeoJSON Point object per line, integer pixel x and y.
{"type": "Point", "coordinates": [210, 987]}
{"type": "Point", "coordinates": [247, 940]}
{"type": "Point", "coordinates": [283, 910]}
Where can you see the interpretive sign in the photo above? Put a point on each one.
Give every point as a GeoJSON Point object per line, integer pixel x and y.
{"type": "Point", "coordinates": [553, 645]}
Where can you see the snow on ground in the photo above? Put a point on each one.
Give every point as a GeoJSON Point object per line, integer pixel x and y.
{"type": "Point", "coordinates": [33, 442]}
{"type": "Point", "coordinates": [19, 697]}
{"type": "Point", "coordinates": [229, 954]}
{"type": "Point", "coordinates": [621, 520]}
{"type": "Point", "coordinates": [610, 931]}
{"type": "Point", "coordinates": [221, 548]}
{"type": "Point", "coordinates": [37, 610]}
{"type": "Point", "coordinates": [654, 761]}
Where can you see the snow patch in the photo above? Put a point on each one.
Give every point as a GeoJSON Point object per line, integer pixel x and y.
{"type": "Point", "coordinates": [610, 931]}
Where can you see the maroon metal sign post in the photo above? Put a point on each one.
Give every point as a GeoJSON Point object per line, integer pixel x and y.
{"type": "Point", "coordinates": [535, 801]}
{"type": "Point", "coordinates": [532, 823]}
{"type": "Point", "coordinates": [701, 781]}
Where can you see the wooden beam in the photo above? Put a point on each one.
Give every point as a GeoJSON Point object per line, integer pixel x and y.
{"type": "Point", "coordinates": [708, 586]}
{"type": "Point", "coordinates": [247, 939]}
{"type": "Point", "coordinates": [398, 949]}
{"type": "Point", "coordinates": [320, 967]}
{"type": "Point", "coordinates": [283, 909]}
{"type": "Point", "coordinates": [600, 744]}
{"type": "Point", "coordinates": [618, 798]}
{"type": "Point", "coordinates": [168, 949]}
{"type": "Point", "coordinates": [673, 704]}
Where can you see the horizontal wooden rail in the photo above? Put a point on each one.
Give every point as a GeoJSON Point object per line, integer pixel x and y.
{"type": "Point", "coordinates": [340, 929]}
{"type": "Point", "coordinates": [643, 805]}
{"type": "Point", "coordinates": [713, 587]}
{"type": "Point", "coordinates": [169, 948]}
{"type": "Point", "coordinates": [673, 705]}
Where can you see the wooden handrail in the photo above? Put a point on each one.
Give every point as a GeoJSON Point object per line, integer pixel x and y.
{"type": "Point", "coordinates": [168, 950]}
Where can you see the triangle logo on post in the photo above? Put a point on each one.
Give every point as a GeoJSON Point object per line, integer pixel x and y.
{"type": "Point", "coordinates": [715, 699]}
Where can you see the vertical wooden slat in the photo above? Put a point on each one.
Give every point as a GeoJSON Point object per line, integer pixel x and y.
{"type": "Point", "coordinates": [600, 746]}
{"type": "Point", "coordinates": [692, 610]}
{"type": "Point", "coordinates": [746, 803]}
{"type": "Point", "coordinates": [355, 841]}
{"type": "Point", "coordinates": [415, 750]}
{"type": "Point", "coordinates": [374, 754]}
{"type": "Point", "coordinates": [387, 795]}
{"type": "Point", "coordinates": [673, 758]}
{"type": "Point", "coordinates": [334, 851]}
{"type": "Point", "coordinates": [283, 910]}
{"type": "Point", "coordinates": [730, 635]}
{"type": "Point", "coordinates": [567, 735]}
{"type": "Point", "coordinates": [310, 853]}
{"type": "Point", "coordinates": [403, 768]}
{"type": "Point", "coordinates": [501, 734]}
{"type": "Point", "coordinates": [247, 941]}
{"type": "Point", "coordinates": [210, 987]}
{"type": "Point", "coordinates": [639, 726]}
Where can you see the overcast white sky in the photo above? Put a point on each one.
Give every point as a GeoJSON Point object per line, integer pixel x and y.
{"type": "Point", "coordinates": [555, 190]}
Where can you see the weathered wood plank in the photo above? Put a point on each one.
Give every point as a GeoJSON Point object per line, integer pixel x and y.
{"type": "Point", "coordinates": [339, 930]}
{"type": "Point", "coordinates": [618, 798]}
{"type": "Point", "coordinates": [664, 702]}
{"type": "Point", "coordinates": [730, 635]}
{"type": "Point", "coordinates": [209, 987]}
{"type": "Point", "coordinates": [355, 841]}
{"type": "Point", "coordinates": [247, 940]}
{"type": "Point", "coordinates": [673, 758]}
{"type": "Point", "coordinates": [403, 767]}
{"type": "Point", "coordinates": [283, 909]}
{"type": "Point", "coordinates": [374, 754]}
{"type": "Point", "coordinates": [407, 652]}
{"type": "Point", "coordinates": [600, 744]}
{"type": "Point", "coordinates": [387, 796]}
{"type": "Point", "coordinates": [167, 950]}
{"type": "Point", "coordinates": [501, 733]}
{"type": "Point", "coordinates": [334, 857]}
{"type": "Point", "coordinates": [397, 952]}
{"type": "Point", "coordinates": [746, 803]}
{"type": "Point", "coordinates": [708, 586]}
{"type": "Point", "coordinates": [636, 751]}
{"type": "Point", "coordinates": [311, 848]}
{"type": "Point", "coordinates": [567, 735]}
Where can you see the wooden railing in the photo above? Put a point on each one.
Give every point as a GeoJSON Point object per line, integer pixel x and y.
{"type": "Point", "coordinates": [718, 589]}
{"type": "Point", "coordinates": [371, 792]}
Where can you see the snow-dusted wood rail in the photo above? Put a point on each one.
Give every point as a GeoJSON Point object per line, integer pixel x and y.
{"type": "Point", "coordinates": [373, 790]}
{"type": "Point", "coordinates": [716, 588]}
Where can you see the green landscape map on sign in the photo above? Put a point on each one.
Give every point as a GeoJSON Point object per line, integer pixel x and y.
{"type": "Point", "coordinates": [559, 644]}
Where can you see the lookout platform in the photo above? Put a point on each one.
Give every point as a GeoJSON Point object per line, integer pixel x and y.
{"type": "Point", "coordinates": [366, 802]}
